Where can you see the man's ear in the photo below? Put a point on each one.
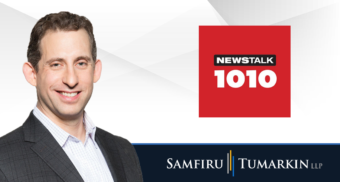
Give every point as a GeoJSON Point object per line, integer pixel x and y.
{"type": "Point", "coordinates": [30, 74]}
{"type": "Point", "coordinates": [97, 70]}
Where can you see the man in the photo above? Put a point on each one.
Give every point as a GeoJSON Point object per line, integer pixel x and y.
{"type": "Point", "coordinates": [58, 141]}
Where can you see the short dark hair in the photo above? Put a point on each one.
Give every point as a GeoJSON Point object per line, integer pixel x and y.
{"type": "Point", "coordinates": [64, 21]}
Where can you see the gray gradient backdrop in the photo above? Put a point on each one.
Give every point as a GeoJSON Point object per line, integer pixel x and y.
{"type": "Point", "coordinates": [148, 92]}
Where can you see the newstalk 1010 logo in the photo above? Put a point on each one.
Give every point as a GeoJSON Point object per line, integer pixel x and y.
{"type": "Point", "coordinates": [244, 71]}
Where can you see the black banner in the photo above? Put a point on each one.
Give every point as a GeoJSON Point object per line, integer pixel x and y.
{"type": "Point", "coordinates": [238, 162]}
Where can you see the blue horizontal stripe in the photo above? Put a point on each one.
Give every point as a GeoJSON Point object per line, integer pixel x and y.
{"type": "Point", "coordinates": [235, 143]}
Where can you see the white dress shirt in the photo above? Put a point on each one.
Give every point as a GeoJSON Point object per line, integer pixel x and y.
{"type": "Point", "coordinates": [87, 158]}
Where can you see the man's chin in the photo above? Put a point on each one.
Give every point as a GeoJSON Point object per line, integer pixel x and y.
{"type": "Point", "coordinates": [70, 114]}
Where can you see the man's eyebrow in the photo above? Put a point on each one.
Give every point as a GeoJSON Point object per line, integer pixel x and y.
{"type": "Point", "coordinates": [54, 59]}
{"type": "Point", "coordinates": [87, 58]}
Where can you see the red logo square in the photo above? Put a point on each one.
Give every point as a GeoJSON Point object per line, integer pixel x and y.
{"type": "Point", "coordinates": [244, 71]}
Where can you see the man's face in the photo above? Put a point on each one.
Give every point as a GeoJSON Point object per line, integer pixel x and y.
{"type": "Point", "coordinates": [65, 76]}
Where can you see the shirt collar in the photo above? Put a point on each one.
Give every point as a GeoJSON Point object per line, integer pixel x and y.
{"type": "Point", "coordinates": [89, 126]}
{"type": "Point", "coordinates": [61, 135]}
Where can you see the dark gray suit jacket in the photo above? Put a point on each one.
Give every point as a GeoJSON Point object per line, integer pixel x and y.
{"type": "Point", "coordinates": [30, 153]}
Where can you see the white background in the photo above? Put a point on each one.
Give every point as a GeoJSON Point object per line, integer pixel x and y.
{"type": "Point", "coordinates": [148, 92]}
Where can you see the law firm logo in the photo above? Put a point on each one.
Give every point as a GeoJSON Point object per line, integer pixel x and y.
{"type": "Point", "coordinates": [244, 71]}
{"type": "Point", "coordinates": [242, 165]}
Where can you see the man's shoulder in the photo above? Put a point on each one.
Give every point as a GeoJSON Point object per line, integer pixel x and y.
{"type": "Point", "coordinates": [11, 143]}
{"type": "Point", "coordinates": [12, 137]}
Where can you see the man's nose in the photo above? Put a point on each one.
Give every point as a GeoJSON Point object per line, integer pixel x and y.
{"type": "Point", "coordinates": [70, 77]}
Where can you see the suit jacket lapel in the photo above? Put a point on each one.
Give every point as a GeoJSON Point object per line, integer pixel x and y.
{"type": "Point", "coordinates": [111, 153]}
{"type": "Point", "coordinates": [48, 149]}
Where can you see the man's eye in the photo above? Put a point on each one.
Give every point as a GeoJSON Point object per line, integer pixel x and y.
{"type": "Point", "coordinates": [82, 64]}
{"type": "Point", "coordinates": [55, 65]}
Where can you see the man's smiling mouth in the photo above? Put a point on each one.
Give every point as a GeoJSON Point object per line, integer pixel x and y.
{"type": "Point", "coordinates": [68, 94]}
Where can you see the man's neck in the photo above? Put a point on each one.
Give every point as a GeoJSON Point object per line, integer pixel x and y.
{"type": "Point", "coordinates": [73, 126]}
